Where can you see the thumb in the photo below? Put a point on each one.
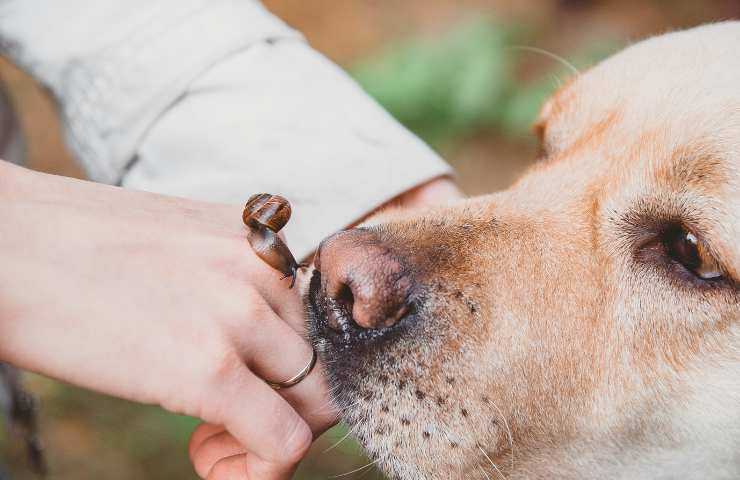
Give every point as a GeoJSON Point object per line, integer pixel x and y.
{"type": "Point", "coordinates": [275, 436]}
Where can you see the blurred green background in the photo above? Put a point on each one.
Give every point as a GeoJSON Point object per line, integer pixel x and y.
{"type": "Point", "coordinates": [465, 75]}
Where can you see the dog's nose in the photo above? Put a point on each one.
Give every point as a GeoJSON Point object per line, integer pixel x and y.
{"type": "Point", "coordinates": [363, 280]}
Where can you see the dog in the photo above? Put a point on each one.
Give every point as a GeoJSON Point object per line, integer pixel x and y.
{"type": "Point", "coordinates": [584, 323]}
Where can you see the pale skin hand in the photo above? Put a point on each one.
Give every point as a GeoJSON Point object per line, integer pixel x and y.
{"type": "Point", "coordinates": [216, 453]}
{"type": "Point", "coordinates": [159, 300]}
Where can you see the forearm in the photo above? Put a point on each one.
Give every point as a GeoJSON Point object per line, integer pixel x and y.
{"type": "Point", "coordinates": [23, 230]}
{"type": "Point", "coordinates": [43, 218]}
{"type": "Point", "coordinates": [82, 260]}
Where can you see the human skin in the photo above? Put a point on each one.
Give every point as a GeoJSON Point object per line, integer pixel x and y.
{"type": "Point", "coordinates": [216, 453]}
{"type": "Point", "coordinates": [160, 300]}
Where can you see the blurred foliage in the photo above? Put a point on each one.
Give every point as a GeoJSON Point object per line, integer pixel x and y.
{"type": "Point", "coordinates": [440, 87]}
{"type": "Point", "coordinates": [93, 436]}
{"type": "Point", "coordinates": [464, 81]}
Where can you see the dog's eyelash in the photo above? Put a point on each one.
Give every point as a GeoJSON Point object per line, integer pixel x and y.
{"type": "Point", "coordinates": [651, 234]}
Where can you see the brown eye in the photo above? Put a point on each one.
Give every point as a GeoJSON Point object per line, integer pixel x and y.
{"type": "Point", "coordinates": [684, 248]}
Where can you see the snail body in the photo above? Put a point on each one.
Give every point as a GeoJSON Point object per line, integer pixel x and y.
{"type": "Point", "coordinates": [265, 215]}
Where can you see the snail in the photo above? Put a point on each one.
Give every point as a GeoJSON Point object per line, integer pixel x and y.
{"type": "Point", "coordinates": [265, 215]}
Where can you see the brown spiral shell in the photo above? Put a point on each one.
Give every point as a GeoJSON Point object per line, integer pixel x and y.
{"type": "Point", "coordinates": [267, 210]}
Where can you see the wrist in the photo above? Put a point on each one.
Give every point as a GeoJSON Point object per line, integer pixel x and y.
{"type": "Point", "coordinates": [436, 191]}
{"type": "Point", "coordinates": [8, 174]}
{"type": "Point", "coordinates": [12, 178]}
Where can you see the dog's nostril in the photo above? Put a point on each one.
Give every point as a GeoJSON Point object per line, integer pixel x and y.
{"type": "Point", "coordinates": [365, 284]}
{"type": "Point", "coordinates": [340, 308]}
{"type": "Point", "coordinates": [345, 298]}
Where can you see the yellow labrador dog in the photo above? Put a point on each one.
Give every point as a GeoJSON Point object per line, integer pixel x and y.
{"type": "Point", "coordinates": [584, 323]}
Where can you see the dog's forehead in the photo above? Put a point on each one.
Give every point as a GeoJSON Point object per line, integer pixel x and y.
{"type": "Point", "coordinates": [667, 110]}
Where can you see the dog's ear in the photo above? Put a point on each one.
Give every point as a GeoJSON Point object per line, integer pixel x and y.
{"type": "Point", "coordinates": [539, 128]}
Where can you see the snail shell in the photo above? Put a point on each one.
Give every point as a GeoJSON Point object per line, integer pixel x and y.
{"type": "Point", "coordinates": [271, 211]}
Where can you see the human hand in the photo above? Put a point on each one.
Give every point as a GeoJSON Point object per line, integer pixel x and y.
{"type": "Point", "coordinates": [159, 300]}
{"type": "Point", "coordinates": [217, 453]}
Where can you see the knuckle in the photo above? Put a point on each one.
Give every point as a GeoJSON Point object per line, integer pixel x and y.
{"type": "Point", "coordinates": [203, 455]}
{"type": "Point", "coordinates": [222, 470]}
{"type": "Point", "coordinates": [224, 368]}
{"type": "Point", "coordinates": [297, 441]}
{"type": "Point", "coordinates": [287, 444]}
{"type": "Point", "coordinates": [224, 374]}
{"type": "Point", "coordinates": [201, 465]}
{"type": "Point", "coordinates": [257, 309]}
{"type": "Point", "coordinates": [194, 443]}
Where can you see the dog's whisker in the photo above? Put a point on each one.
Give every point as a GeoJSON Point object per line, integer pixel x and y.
{"type": "Point", "coordinates": [485, 455]}
{"type": "Point", "coordinates": [358, 469]}
{"type": "Point", "coordinates": [551, 55]}
{"type": "Point", "coordinates": [508, 432]}
{"type": "Point", "coordinates": [338, 442]}
{"type": "Point", "coordinates": [478, 446]}
{"type": "Point", "coordinates": [326, 407]}
{"type": "Point", "coordinates": [490, 461]}
{"type": "Point", "coordinates": [350, 431]}
{"type": "Point", "coordinates": [367, 472]}
{"type": "Point", "coordinates": [556, 80]}
{"type": "Point", "coordinates": [484, 472]}
{"type": "Point", "coordinates": [341, 409]}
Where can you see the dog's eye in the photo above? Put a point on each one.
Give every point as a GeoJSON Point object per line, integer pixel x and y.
{"type": "Point", "coordinates": [684, 248]}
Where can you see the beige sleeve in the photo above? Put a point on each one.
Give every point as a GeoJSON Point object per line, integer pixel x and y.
{"type": "Point", "coordinates": [215, 100]}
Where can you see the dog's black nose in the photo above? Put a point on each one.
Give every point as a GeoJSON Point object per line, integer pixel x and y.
{"type": "Point", "coordinates": [364, 281]}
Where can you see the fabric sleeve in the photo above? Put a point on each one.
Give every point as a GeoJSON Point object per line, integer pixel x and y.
{"type": "Point", "coordinates": [214, 100]}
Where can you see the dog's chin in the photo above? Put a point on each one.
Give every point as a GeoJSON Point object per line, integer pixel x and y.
{"type": "Point", "coordinates": [397, 391]}
{"type": "Point", "coordinates": [341, 367]}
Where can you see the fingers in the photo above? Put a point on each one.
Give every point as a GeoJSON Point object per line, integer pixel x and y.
{"type": "Point", "coordinates": [275, 352]}
{"type": "Point", "coordinates": [243, 467]}
{"type": "Point", "coordinates": [217, 455]}
{"type": "Point", "coordinates": [258, 469]}
{"type": "Point", "coordinates": [287, 303]}
{"type": "Point", "coordinates": [202, 433]}
{"type": "Point", "coordinates": [229, 468]}
{"type": "Point", "coordinates": [210, 444]}
{"type": "Point", "coordinates": [311, 400]}
{"type": "Point", "coordinates": [264, 423]}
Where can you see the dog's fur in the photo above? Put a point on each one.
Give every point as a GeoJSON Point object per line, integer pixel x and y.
{"type": "Point", "coordinates": [553, 336]}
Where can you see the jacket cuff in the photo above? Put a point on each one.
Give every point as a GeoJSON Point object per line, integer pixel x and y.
{"type": "Point", "coordinates": [281, 118]}
{"type": "Point", "coordinates": [112, 78]}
